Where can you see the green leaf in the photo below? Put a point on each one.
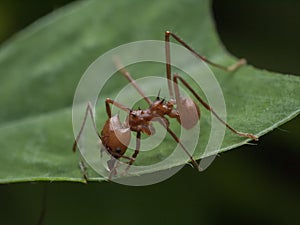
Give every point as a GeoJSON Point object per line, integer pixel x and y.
{"type": "Point", "coordinates": [41, 67]}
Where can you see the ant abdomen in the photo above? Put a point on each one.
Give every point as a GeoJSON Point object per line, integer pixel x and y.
{"type": "Point", "coordinates": [115, 136]}
{"type": "Point", "coordinates": [189, 112]}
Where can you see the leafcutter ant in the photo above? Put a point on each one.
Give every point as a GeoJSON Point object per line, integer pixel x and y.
{"type": "Point", "coordinates": [115, 135]}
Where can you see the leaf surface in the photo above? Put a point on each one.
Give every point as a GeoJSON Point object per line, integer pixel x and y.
{"type": "Point", "coordinates": [41, 66]}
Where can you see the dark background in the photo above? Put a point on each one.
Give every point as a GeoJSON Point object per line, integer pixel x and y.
{"type": "Point", "coordinates": [249, 185]}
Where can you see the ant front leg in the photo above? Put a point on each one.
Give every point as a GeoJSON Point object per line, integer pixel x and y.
{"type": "Point", "coordinates": [177, 77]}
{"type": "Point", "coordinates": [169, 34]}
{"type": "Point", "coordinates": [114, 164]}
{"type": "Point", "coordinates": [136, 152]}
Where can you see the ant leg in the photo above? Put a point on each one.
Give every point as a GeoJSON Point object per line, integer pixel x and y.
{"type": "Point", "coordinates": [81, 164]}
{"type": "Point", "coordinates": [164, 122]}
{"type": "Point", "coordinates": [168, 64]}
{"type": "Point", "coordinates": [117, 104]}
{"type": "Point", "coordinates": [195, 164]}
{"type": "Point", "coordinates": [83, 170]}
{"type": "Point", "coordinates": [177, 77]}
{"type": "Point", "coordinates": [89, 110]}
{"type": "Point", "coordinates": [131, 80]}
{"type": "Point", "coordinates": [136, 152]}
{"type": "Point", "coordinates": [114, 164]}
{"type": "Point", "coordinates": [233, 67]}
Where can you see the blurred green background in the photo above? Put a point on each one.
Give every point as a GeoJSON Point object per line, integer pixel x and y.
{"type": "Point", "coordinates": [249, 185]}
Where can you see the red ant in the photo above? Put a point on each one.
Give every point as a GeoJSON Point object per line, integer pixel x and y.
{"type": "Point", "coordinates": [115, 136]}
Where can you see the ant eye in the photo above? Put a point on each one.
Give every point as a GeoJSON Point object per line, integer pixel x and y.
{"type": "Point", "coordinates": [118, 150]}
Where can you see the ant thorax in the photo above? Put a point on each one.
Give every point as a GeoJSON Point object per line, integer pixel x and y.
{"type": "Point", "coordinates": [161, 107]}
{"type": "Point", "coordinates": [141, 120]}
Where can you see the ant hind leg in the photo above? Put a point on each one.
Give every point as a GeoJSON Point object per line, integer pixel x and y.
{"type": "Point", "coordinates": [207, 106]}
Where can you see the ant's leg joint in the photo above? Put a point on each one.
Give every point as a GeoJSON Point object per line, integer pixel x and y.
{"type": "Point", "coordinates": [238, 64]}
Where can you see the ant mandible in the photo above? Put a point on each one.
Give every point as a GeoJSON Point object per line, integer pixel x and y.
{"type": "Point", "coordinates": [115, 136]}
